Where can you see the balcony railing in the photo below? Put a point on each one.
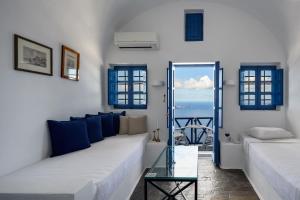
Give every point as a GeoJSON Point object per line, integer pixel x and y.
{"type": "Point", "coordinates": [197, 135]}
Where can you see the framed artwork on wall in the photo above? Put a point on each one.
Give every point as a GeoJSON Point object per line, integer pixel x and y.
{"type": "Point", "coordinates": [70, 60]}
{"type": "Point", "coordinates": [31, 56]}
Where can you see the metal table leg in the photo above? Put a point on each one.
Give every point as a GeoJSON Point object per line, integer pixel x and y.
{"type": "Point", "coordinates": [174, 192]}
{"type": "Point", "coordinates": [196, 190]}
{"type": "Point", "coordinates": [145, 190]}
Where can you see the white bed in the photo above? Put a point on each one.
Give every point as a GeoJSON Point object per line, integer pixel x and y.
{"type": "Point", "coordinates": [273, 167]}
{"type": "Point", "coordinates": [109, 170]}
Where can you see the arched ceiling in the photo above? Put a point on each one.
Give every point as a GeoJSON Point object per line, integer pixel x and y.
{"type": "Point", "coordinates": [272, 13]}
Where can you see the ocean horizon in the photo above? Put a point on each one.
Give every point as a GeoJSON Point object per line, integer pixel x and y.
{"type": "Point", "coordinates": [193, 109]}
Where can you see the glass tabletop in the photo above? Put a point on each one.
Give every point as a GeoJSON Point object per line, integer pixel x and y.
{"type": "Point", "coordinates": [175, 163]}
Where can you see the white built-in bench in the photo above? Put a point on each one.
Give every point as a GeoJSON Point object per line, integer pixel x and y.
{"type": "Point", "coordinates": [109, 170]}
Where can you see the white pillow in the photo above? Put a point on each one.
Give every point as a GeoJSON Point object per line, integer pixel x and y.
{"type": "Point", "coordinates": [269, 133]}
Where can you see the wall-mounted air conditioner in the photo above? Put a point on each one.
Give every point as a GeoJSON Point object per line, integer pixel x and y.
{"type": "Point", "coordinates": [136, 40]}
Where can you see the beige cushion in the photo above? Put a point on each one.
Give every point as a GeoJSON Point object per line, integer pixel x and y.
{"type": "Point", "coordinates": [123, 125]}
{"type": "Point", "coordinates": [137, 125]}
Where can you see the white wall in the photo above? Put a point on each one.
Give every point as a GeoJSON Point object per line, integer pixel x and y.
{"type": "Point", "coordinates": [231, 36]}
{"type": "Point", "coordinates": [28, 100]}
{"type": "Point", "coordinates": [293, 47]}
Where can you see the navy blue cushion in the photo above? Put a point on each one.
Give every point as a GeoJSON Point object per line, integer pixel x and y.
{"type": "Point", "coordinates": [116, 120]}
{"type": "Point", "coordinates": [123, 113]}
{"type": "Point", "coordinates": [94, 127]}
{"type": "Point", "coordinates": [107, 124]}
{"type": "Point", "coordinates": [68, 136]}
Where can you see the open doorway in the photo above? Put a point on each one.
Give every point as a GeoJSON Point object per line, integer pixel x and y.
{"type": "Point", "coordinates": [194, 101]}
{"type": "Point", "coordinates": [195, 93]}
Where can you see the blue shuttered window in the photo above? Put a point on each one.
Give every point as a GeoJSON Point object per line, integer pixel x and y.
{"type": "Point", "coordinates": [261, 87]}
{"type": "Point", "coordinates": [193, 26]}
{"type": "Point", "coordinates": [127, 87]}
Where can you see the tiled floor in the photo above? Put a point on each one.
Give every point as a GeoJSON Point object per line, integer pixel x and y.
{"type": "Point", "coordinates": [213, 184]}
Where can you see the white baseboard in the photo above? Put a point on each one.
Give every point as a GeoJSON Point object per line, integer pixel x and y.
{"type": "Point", "coordinates": [260, 184]}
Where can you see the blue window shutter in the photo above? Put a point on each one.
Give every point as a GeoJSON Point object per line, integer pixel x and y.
{"type": "Point", "coordinates": [221, 75]}
{"type": "Point", "coordinates": [112, 86]}
{"type": "Point", "coordinates": [240, 85]}
{"type": "Point", "coordinates": [194, 27]}
{"type": "Point", "coordinates": [278, 87]}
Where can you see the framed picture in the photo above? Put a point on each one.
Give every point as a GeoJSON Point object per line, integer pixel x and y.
{"type": "Point", "coordinates": [32, 57]}
{"type": "Point", "coordinates": [70, 64]}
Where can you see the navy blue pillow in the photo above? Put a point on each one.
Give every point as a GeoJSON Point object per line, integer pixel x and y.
{"type": "Point", "coordinates": [94, 127]}
{"type": "Point", "coordinates": [123, 113]}
{"type": "Point", "coordinates": [107, 124]}
{"type": "Point", "coordinates": [68, 136]}
{"type": "Point", "coordinates": [116, 120]}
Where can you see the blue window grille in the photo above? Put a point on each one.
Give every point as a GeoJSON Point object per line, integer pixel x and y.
{"type": "Point", "coordinates": [127, 87]}
{"type": "Point", "coordinates": [194, 25]}
{"type": "Point", "coordinates": [261, 87]}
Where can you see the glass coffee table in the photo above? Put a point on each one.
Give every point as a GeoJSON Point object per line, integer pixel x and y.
{"type": "Point", "coordinates": [178, 164]}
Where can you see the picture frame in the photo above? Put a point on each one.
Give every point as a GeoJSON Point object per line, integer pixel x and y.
{"type": "Point", "coordinates": [31, 56]}
{"type": "Point", "coordinates": [70, 61]}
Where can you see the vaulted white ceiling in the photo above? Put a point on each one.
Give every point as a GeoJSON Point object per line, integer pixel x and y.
{"type": "Point", "coordinates": [274, 14]}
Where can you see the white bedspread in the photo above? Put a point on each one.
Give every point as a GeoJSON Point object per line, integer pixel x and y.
{"type": "Point", "coordinates": [247, 140]}
{"type": "Point", "coordinates": [279, 162]}
{"type": "Point", "coordinates": [92, 173]}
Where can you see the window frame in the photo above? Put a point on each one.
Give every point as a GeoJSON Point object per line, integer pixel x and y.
{"type": "Point", "coordinates": [221, 97]}
{"type": "Point", "coordinates": [187, 33]}
{"type": "Point", "coordinates": [130, 86]}
{"type": "Point", "coordinates": [258, 69]}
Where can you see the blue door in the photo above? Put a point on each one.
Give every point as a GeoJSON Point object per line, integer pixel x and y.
{"type": "Point", "coordinates": [171, 103]}
{"type": "Point", "coordinates": [217, 96]}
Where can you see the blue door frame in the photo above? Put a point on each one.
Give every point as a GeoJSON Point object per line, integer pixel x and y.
{"type": "Point", "coordinates": [216, 147]}
{"type": "Point", "coordinates": [170, 102]}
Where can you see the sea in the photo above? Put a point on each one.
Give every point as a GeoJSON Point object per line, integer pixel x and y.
{"type": "Point", "coordinates": [193, 109]}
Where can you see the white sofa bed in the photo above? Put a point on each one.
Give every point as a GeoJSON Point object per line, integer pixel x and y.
{"type": "Point", "coordinates": [108, 170]}
{"type": "Point", "coordinates": [273, 167]}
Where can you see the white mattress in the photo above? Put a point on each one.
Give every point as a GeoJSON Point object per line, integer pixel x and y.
{"type": "Point", "coordinates": [279, 162]}
{"type": "Point", "coordinates": [92, 173]}
{"type": "Point", "coordinates": [247, 140]}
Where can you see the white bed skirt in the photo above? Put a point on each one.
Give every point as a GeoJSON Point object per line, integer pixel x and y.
{"type": "Point", "coordinates": [261, 186]}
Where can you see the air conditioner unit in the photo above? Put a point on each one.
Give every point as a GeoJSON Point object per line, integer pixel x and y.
{"type": "Point", "coordinates": [136, 40]}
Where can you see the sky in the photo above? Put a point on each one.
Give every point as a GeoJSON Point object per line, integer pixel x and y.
{"type": "Point", "coordinates": [194, 84]}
